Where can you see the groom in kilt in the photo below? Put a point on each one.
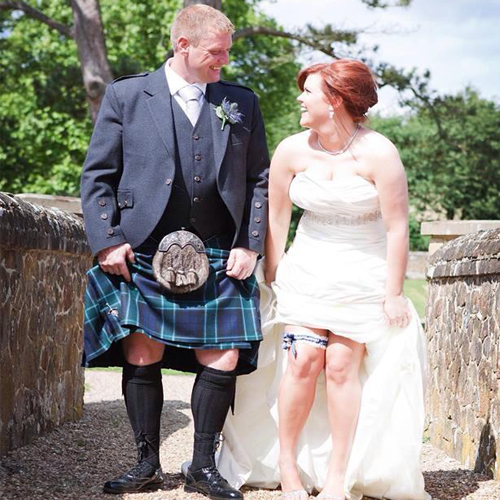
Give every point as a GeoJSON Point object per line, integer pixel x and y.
{"type": "Point", "coordinates": [172, 149]}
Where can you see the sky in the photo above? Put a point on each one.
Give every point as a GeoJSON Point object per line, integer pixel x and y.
{"type": "Point", "coordinates": [457, 40]}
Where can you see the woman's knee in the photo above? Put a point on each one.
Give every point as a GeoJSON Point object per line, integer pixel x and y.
{"type": "Point", "coordinates": [339, 371]}
{"type": "Point", "coordinates": [307, 364]}
{"type": "Point", "coordinates": [343, 360]}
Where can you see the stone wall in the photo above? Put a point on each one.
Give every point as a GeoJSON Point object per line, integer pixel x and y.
{"type": "Point", "coordinates": [43, 259]}
{"type": "Point", "coordinates": [463, 328]}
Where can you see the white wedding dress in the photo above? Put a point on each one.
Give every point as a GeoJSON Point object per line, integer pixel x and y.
{"type": "Point", "coordinates": [333, 277]}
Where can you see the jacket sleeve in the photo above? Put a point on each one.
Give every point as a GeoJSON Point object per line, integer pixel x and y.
{"type": "Point", "coordinates": [100, 177]}
{"type": "Point", "coordinates": [253, 229]}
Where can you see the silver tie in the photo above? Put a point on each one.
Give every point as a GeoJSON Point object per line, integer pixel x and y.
{"type": "Point", "coordinates": [191, 96]}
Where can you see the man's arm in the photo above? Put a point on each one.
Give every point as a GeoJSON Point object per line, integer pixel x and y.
{"type": "Point", "coordinates": [252, 234]}
{"type": "Point", "coordinates": [100, 177]}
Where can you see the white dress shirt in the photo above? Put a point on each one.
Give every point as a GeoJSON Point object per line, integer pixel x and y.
{"type": "Point", "coordinates": [176, 82]}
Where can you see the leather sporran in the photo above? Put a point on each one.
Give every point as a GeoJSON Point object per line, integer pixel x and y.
{"type": "Point", "coordinates": [181, 264]}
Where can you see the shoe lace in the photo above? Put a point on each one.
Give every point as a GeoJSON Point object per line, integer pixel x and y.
{"type": "Point", "coordinates": [215, 474]}
{"type": "Point", "coordinates": [219, 439]}
{"type": "Point", "coordinates": [139, 468]}
{"type": "Point", "coordinates": [142, 446]}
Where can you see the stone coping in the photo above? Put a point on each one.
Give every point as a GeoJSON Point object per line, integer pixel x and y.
{"type": "Point", "coordinates": [29, 225]}
{"type": "Point", "coordinates": [66, 203]}
{"type": "Point", "coordinates": [475, 254]}
{"type": "Point", "coordinates": [457, 227]}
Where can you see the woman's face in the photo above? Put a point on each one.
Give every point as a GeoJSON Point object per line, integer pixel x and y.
{"type": "Point", "coordinates": [314, 105]}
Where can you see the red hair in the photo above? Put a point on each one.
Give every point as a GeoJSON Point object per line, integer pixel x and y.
{"type": "Point", "coordinates": [349, 79]}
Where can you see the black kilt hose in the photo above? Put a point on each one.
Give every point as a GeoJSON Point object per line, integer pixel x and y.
{"type": "Point", "coordinates": [222, 314]}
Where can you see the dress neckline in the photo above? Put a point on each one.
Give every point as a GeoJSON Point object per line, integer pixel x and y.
{"type": "Point", "coordinates": [334, 180]}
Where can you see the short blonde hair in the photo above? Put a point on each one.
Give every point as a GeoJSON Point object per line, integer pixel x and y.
{"type": "Point", "coordinates": [194, 21]}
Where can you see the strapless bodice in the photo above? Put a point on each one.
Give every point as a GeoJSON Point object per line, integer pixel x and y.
{"type": "Point", "coordinates": [345, 196]}
{"type": "Point", "coordinates": [342, 208]}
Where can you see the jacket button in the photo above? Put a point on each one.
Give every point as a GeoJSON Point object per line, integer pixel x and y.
{"type": "Point", "coordinates": [168, 182]}
{"type": "Point", "coordinates": [102, 203]}
{"type": "Point", "coordinates": [197, 178]}
{"type": "Point", "coordinates": [196, 199]}
{"type": "Point", "coordinates": [255, 233]}
{"type": "Point", "coordinates": [104, 216]}
{"type": "Point", "coordinates": [258, 204]}
{"type": "Point", "coordinates": [256, 219]}
{"type": "Point", "coordinates": [196, 137]}
{"type": "Point", "coordinates": [197, 157]}
{"type": "Point", "coordinates": [193, 219]}
{"type": "Point", "coordinates": [111, 231]}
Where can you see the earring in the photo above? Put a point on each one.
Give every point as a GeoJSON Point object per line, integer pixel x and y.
{"type": "Point", "coordinates": [332, 112]}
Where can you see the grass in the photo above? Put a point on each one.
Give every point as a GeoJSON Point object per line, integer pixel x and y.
{"type": "Point", "coordinates": [416, 291]}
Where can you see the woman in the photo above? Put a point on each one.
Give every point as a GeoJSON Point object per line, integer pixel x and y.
{"type": "Point", "coordinates": [340, 305]}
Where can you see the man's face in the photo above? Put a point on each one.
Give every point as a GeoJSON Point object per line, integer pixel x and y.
{"type": "Point", "coordinates": [205, 61]}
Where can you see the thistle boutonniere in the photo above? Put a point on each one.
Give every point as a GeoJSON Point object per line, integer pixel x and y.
{"type": "Point", "coordinates": [228, 112]}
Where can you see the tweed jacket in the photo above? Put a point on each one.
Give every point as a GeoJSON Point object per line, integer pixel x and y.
{"type": "Point", "coordinates": [130, 166]}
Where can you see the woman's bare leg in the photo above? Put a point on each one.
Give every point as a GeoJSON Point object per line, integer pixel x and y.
{"type": "Point", "coordinates": [295, 398]}
{"type": "Point", "coordinates": [343, 361]}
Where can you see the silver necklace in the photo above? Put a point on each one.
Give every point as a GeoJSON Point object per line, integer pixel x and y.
{"type": "Point", "coordinates": [346, 146]}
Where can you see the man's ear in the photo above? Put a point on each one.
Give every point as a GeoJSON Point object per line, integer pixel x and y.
{"type": "Point", "coordinates": [183, 45]}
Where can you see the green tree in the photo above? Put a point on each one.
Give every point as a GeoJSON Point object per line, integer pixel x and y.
{"type": "Point", "coordinates": [57, 58]}
{"type": "Point", "coordinates": [450, 151]}
{"type": "Point", "coordinates": [44, 121]}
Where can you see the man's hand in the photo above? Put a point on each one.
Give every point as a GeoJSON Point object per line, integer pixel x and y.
{"type": "Point", "coordinates": [113, 260]}
{"type": "Point", "coordinates": [241, 263]}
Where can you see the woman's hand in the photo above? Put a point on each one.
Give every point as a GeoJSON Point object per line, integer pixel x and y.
{"type": "Point", "coordinates": [269, 275]}
{"type": "Point", "coordinates": [397, 311]}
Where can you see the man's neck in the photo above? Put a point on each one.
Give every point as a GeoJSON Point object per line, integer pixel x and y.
{"type": "Point", "coordinates": [178, 65]}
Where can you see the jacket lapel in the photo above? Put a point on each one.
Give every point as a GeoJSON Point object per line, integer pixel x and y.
{"type": "Point", "coordinates": [160, 107]}
{"type": "Point", "coordinates": [215, 94]}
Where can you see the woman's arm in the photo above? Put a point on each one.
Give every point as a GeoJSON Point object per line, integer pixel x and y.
{"type": "Point", "coordinates": [390, 180]}
{"type": "Point", "coordinates": [280, 208]}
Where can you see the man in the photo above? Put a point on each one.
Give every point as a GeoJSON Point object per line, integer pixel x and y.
{"type": "Point", "coordinates": [164, 157]}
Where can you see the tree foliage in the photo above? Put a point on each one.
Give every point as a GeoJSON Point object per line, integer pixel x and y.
{"type": "Point", "coordinates": [452, 168]}
{"type": "Point", "coordinates": [44, 121]}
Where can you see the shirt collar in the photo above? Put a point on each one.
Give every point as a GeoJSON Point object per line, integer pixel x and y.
{"type": "Point", "coordinates": [176, 82]}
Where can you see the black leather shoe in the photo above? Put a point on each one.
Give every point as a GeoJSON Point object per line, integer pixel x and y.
{"type": "Point", "coordinates": [141, 477]}
{"type": "Point", "coordinates": [210, 483]}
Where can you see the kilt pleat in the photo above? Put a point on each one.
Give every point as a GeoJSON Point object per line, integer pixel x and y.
{"type": "Point", "coordinates": [222, 314]}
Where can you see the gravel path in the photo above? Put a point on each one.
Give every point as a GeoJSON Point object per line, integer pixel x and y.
{"type": "Point", "coordinates": [73, 462]}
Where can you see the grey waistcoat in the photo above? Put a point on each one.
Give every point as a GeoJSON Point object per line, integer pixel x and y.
{"type": "Point", "coordinates": [195, 202]}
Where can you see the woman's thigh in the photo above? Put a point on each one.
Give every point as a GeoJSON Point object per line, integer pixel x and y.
{"type": "Point", "coordinates": [306, 350]}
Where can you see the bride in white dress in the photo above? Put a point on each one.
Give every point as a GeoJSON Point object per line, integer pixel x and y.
{"type": "Point", "coordinates": [337, 403]}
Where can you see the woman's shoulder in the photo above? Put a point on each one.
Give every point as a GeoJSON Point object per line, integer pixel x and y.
{"type": "Point", "coordinates": [294, 144]}
{"type": "Point", "coordinates": [289, 151]}
{"type": "Point", "coordinates": [295, 140]}
{"type": "Point", "coordinates": [378, 145]}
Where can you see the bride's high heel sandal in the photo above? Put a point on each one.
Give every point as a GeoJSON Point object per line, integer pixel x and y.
{"type": "Point", "coordinates": [295, 495]}
{"type": "Point", "coordinates": [327, 496]}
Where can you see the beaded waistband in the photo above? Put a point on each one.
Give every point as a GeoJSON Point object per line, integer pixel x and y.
{"type": "Point", "coordinates": [342, 220]}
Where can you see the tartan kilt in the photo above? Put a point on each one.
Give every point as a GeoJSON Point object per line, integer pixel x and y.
{"type": "Point", "coordinates": [222, 314]}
